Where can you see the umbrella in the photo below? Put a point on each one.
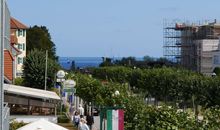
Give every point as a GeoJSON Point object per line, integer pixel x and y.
{"type": "Point", "coordinates": [42, 125]}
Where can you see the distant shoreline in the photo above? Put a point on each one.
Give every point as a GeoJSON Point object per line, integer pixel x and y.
{"type": "Point", "coordinates": [83, 62]}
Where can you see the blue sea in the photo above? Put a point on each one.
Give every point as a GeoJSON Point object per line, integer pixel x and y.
{"type": "Point", "coordinates": [83, 62]}
{"type": "Point", "coordinates": [80, 62]}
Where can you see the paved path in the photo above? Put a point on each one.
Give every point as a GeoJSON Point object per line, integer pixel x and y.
{"type": "Point", "coordinates": [69, 126]}
{"type": "Point", "coordinates": [96, 123]}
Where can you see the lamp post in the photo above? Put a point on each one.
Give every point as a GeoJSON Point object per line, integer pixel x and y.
{"type": "Point", "coordinates": [60, 78]}
{"type": "Point", "coordinates": [117, 93]}
{"type": "Point", "coordinates": [213, 74]}
{"type": "Point", "coordinates": [45, 80]}
{"type": "Point", "coordinates": [69, 88]}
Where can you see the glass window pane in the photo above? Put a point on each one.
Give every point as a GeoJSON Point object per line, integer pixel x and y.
{"type": "Point", "coordinates": [23, 47]}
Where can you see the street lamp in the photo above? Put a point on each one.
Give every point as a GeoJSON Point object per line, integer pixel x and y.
{"type": "Point", "coordinates": [69, 93]}
{"type": "Point", "coordinates": [60, 78]}
{"type": "Point", "coordinates": [213, 74]}
{"type": "Point", "coordinates": [69, 86]}
{"type": "Point", "coordinates": [117, 93]}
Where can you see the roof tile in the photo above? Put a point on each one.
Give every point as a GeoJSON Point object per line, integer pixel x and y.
{"type": "Point", "coordinates": [15, 24]}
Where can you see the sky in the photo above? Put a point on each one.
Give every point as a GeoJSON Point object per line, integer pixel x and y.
{"type": "Point", "coordinates": [113, 28]}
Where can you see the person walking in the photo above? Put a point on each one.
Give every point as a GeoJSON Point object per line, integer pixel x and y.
{"type": "Point", "coordinates": [90, 120]}
{"type": "Point", "coordinates": [81, 111]}
{"type": "Point", "coordinates": [83, 125]}
{"type": "Point", "coordinates": [76, 119]}
{"type": "Point", "coordinates": [72, 112]}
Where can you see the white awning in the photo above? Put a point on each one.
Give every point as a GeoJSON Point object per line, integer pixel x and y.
{"type": "Point", "coordinates": [42, 125]}
{"type": "Point", "coordinates": [30, 92]}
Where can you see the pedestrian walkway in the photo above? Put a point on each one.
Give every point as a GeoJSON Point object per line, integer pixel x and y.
{"type": "Point", "coordinates": [69, 126]}
{"type": "Point", "coordinates": [96, 123]}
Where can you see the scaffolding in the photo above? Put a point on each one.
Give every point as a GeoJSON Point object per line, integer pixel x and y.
{"type": "Point", "coordinates": [186, 43]}
{"type": "Point", "coordinates": [172, 41]}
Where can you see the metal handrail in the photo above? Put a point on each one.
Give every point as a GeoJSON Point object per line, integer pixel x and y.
{"type": "Point", "coordinates": [6, 113]}
{"type": "Point", "coordinates": [5, 116]}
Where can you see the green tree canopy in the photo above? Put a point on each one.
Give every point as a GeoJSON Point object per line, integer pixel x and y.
{"type": "Point", "coordinates": [127, 61]}
{"type": "Point", "coordinates": [39, 37]}
{"type": "Point", "coordinates": [34, 70]}
{"type": "Point", "coordinates": [106, 62]}
{"type": "Point", "coordinates": [148, 58]}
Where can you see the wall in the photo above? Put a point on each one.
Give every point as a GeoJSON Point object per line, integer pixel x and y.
{"type": "Point", "coordinates": [21, 40]}
{"type": "Point", "coordinates": [204, 51]}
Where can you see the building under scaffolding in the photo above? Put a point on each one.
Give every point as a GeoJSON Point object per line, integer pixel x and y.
{"type": "Point", "coordinates": [192, 45]}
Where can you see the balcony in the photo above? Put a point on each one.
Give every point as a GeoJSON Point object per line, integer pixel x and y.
{"type": "Point", "coordinates": [13, 39]}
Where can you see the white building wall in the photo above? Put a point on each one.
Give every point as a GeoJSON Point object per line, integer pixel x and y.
{"type": "Point", "coordinates": [216, 58]}
{"type": "Point", "coordinates": [209, 44]}
{"type": "Point", "coordinates": [21, 46]}
{"type": "Point", "coordinates": [205, 50]}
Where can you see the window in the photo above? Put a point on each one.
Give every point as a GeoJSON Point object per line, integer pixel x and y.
{"type": "Point", "coordinates": [24, 33]}
{"type": "Point", "coordinates": [216, 60]}
{"type": "Point", "coordinates": [20, 46]}
{"type": "Point", "coordinates": [23, 47]}
{"type": "Point", "coordinates": [20, 32]}
{"type": "Point", "coordinates": [20, 60]}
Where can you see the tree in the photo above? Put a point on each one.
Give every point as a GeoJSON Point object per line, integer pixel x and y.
{"type": "Point", "coordinates": [106, 62]}
{"type": "Point", "coordinates": [34, 70]}
{"type": "Point", "coordinates": [73, 66]}
{"type": "Point", "coordinates": [148, 59]}
{"type": "Point", "coordinates": [169, 84]}
{"type": "Point", "coordinates": [126, 61]}
{"type": "Point", "coordinates": [38, 37]}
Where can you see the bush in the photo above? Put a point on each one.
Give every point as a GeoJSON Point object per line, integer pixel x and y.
{"type": "Point", "coordinates": [19, 81]}
{"type": "Point", "coordinates": [14, 125]}
{"type": "Point", "coordinates": [63, 119]}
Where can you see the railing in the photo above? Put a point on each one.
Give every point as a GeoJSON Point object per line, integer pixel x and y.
{"type": "Point", "coordinates": [6, 114]}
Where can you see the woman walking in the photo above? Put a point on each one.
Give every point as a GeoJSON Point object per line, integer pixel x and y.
{"type": "Point", "coordinates": [83, 125]}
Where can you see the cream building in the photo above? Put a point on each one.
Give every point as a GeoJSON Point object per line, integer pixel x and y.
{"type": "Point", "coordinates": [18, 31]}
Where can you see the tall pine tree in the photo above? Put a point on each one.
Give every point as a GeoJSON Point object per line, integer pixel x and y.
{"type": "Point", "coordinates": [34, 70]}
{"type": "Point", "coordinates": [38, 37]}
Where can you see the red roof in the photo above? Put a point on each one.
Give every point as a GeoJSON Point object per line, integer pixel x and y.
{"type": "Point", "coordinates": [15, 24]}
{"type": "Point", "coordinates": [8, 63]}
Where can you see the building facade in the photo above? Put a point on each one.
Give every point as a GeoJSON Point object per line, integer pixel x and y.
{"type": "Point", "coordinates": [192, 45]}
{"type": "Point", "coordinates": [18, 41]}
